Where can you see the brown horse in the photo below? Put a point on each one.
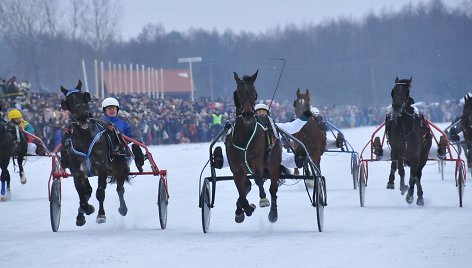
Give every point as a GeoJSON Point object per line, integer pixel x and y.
{"type": "Point", "coordinates": [248, 152]}
{"type": "Point", "coordinates": [409, 137]}
{"type": "Point", "coordinates": [313, 133]}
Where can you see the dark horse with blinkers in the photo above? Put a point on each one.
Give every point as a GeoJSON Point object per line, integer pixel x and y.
{"type": "Point", "coordinates": [90, 151]}
{"type": "Point", "coordinates": [466, 126]}
{"type": "Point", "coordinates": [248, 151]}
{"type": "Point", "coordinates": [410, 139]}
{"type": "Point", "coordinates": [13, 143]}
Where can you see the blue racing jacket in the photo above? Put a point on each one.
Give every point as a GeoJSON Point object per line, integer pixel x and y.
{"type": "Point", "coordinates": [120, 123]}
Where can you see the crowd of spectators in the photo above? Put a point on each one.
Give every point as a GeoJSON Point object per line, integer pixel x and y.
{"type": "Point", "coordinates": [174, 120]}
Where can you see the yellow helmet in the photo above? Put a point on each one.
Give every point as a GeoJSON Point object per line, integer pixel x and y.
{"type": "Point", "coordinates": [14, 114]}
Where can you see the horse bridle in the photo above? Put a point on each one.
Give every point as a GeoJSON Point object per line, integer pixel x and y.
{"type": "Point", "coordinates": [404, 104]}
{"type": "Point", "coordinates": [76, 106]}
{"type": "Point", "coordinates": [246, 96]}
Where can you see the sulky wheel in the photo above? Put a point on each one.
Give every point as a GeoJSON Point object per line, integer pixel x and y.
{"type": "Point", "coordinates": [354, 169]}
{"type": "Point", "coordinates": [460, 183]}
{"type": "Point", "coordinates": [162, 202]}
{"type": "Point", "coordinates": [319, 201]}
{"type": "Point", "coordinates": [55, 204]}
{"type": "Point", "coordinates": [205, 204]}
{"type": "Point", "coordinates": [362, 185]}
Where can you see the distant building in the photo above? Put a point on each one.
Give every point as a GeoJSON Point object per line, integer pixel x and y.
{"type": "Point", "coordinates": [157, 82]}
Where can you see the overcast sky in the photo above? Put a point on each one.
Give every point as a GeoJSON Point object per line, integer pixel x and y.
{"type": "Point", "coordinates": [246, 15]}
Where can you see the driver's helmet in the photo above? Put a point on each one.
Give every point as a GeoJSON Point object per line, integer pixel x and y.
{"type": "Point", "coordinates": [315, 111]}
{"type": "Point", "coordinates": [14, 114]}
{"type": "Point", "coordinates": [262, 106]}
{"type": "Point", "coordinates": [110, 102]}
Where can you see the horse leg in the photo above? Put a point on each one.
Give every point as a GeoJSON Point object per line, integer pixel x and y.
{"type": "Point", "coordinates": [5, 181]}
{"type": "Point", "coordinates": [391, 177]}
{"type": "Point", "coordinates": [84, 190]}
{"type": "Point", "coordinates": [273, 214]}
{"type": "Point", "coordinates": [242, 204]}
{"type": "Point", "coordinates": [263, 202]}
{"type": "Point", "coordinates": [419, 188]}
{"type": "Point", "coordinates": [20, 160]}
{"type": "Point", "coordinates": [123, 209]}
{"type": "Point", "coordinates": [100, 195]}
{"type": "Point", "coordinates": [413, 180]}
{"type": "Point", "coordinates": [401, 172]}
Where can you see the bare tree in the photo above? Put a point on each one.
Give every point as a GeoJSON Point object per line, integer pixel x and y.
{"type": "Point", "coordinates": [50, 10]}
{"type": "Point", "coordinates": [78, 10]}
{"type": "Point", "coordinates": [103, 22]}
{"type": "Point", "coordinates": [23, 23]}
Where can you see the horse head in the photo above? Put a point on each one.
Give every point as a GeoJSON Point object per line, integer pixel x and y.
{"type": "Point", "coordinates": [401, 95]}
{"type": "Point", "coordinates": [302, 102]}
{"type": "Point", "coordinates": [77, 103]}
{"type": "Point", "coordinates": [247, 95]}
{"type": "Point", "coordinates": [467, 110]}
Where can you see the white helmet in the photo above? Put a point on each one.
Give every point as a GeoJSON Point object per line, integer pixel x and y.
{"type": "Point", "coordinates": [261, 106]}
{"type": "Point", "coordinates": [110, 102]}
{"type": "Point", "coordinates": [315, 110]}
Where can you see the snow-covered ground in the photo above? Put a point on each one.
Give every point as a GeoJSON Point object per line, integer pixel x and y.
{"type": "Point", "coordinates": [387, 232]}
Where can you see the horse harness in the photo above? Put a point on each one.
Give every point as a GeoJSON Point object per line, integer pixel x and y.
{"type": "Point", "coordinates": [404, 131]}
{"type": "Point", "coordinates": [102, 128]}
{"type": "Point", "coordinates": [269, 139]}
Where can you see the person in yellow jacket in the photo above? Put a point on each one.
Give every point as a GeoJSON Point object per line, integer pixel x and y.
{"type": "Point", "coordinates": [16, 118]}
{"type": "Point", "coordinates": [34, 146]}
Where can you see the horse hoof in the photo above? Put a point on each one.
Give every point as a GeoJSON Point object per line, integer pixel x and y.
{"type": "Point", "coordinates": [273, 216]}
{"type": "Point", "coordinates": [80, 221]}
{"type": "Point", "coordinates": [89, 210]}
{"type": "Point", "coordinates": [250, 210]}
{"type": "Point", "coordinates": [409, 198]}
{"type": "Point", "coordinates": [310, 184]}
{"type": "Point", "coordinates": [403, 189]}
{"type": "Point", "coordinates": [101, 219]}
{"type": "Point", "coordinates": [23, 180]}
{"type": "Point", "coordinates": [264, 202]}
{"type": "Point", "coordinates": [239, 218]}
{"type": "Point", "coordinates": [390, 185]}
{"type": "Point", "coordinates": [420, 201]}
{"type": "Point", "coordinates": [123, 211]}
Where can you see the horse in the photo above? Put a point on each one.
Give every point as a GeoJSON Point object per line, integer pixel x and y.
{"type": "Point", "coordinates": [313, 133]}
{"type": "Point", "coordinates": [466, 126]}
{"type": "Point", "coordinates": [89, 150]}
{"type": "Point", "coordinates": [410, 140]}
{"type": "Point", "coordinates": [249, 153]}
{"type": "Point", "coordinates": [13, 144]}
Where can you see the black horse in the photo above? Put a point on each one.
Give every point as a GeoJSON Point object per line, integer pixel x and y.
{"type": "Point", "coordinates": [89, 151]}
{"type": "Point", "coordinates": [13, 144]}
{"type": "Point", "coordinates": [466, 127]}
{"type": "Point", "coordinates": [249, 153]}
{"type": "Point", "coordinates": [410, 140]}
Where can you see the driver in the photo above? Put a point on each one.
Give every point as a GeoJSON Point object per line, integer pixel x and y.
{"type": "Point", "coordinates": [289, 160]}
{"type": "Point", "coordinates": [110, 107]}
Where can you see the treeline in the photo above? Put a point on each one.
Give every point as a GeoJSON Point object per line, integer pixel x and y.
{"type": "Point", "coordinates": [341, 61]}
